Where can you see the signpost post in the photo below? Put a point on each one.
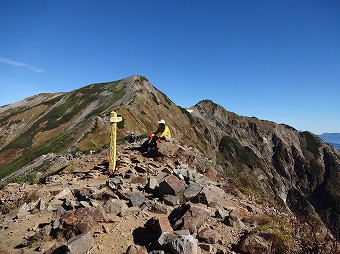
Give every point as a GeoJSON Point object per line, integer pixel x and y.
{"type": "Point", "coordinates": [114, 120]}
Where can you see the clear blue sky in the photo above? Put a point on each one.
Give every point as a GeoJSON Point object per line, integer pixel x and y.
{"type": "Point", "coordinates": [277, 60]}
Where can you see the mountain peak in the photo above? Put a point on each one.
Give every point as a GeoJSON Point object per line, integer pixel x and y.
{"type": "Point", "coordinates": [269, 161]}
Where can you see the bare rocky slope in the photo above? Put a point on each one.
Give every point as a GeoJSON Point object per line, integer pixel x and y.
{"type": "Point", "coordinates": [171, 200]}
{"type": "Point", "coordinates": [271, 163]}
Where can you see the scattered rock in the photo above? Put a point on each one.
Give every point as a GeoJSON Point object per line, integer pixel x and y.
{"type": "Point", "coordinates": [183, 245]}
{"type": "Point", "coordinates": [80, 244]}
{"type": "Point", "coordinates": [167, 148]}
{"type": "Point", "coordinates": [252, 243]}
{"type": "Point", "coordinates": [208, 235]}
{"type": "Point", "coordinates": [211, 196]}
{"type": "Point", "coordinates": [137, 199]}
{"type": "Point", "coordinates": [186, 210]}
{"type": "Point", "coordinates": [171, 185]}
{"type": "Point", "coordinates": [171, 200]}
{"type": "Point", "coordinates": [189, 217]}
{"type": "Point", "coordinates": [115, 207]}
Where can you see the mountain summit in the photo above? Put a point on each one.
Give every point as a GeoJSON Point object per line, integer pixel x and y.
{"type": "Point", "coordinates": [267, 161]}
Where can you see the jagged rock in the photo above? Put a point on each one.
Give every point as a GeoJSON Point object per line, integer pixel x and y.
{"type": "Point", "coordinates": [252, 243]}
{"type": "Point", "coordinates": [139, 180]}
{"type": "Point", "coordinates": [82, 194]}
{"type": "Point", "coordinates": [55, 203]}
{"type": "Point", "coordinates": [157, 207]}
{"type": "Point", "coordinates": [183, 245]}
{"type": "Point", "coordinates": [189, 217]}
{"type": "Point", "coordinates": [221, 213]}
{"type": "Point", "coordinates": [115, 207]}
{"type": "Point", "coordinates": [208, 235]}
{"type": "Point", "coordinates": [118, 180]}
{"type": "Point", "coordinates": [92, 214]}
{"type": "Point", "coordinates": [124, 194]}
{"type": "Point", "coordinates": [84, 226]}
{"type": "Point", "coordinates": [80, 244]}
{"type": "Point", "coordinates": [187, 174]}
{"type": "Point", "coordinates": [115, 182]}
{"type": "Point", "coordinates": [152, 184]}
{"type": "Point", "coordinates": [192, 190]}
{"type": "Point", "coordinates": [137, 199]}
{"type": "Point", "coordinates": [160, 225]}
{"type": "Point", "coordinates": [85, 194]}
{"type": "Point", "coordinates": [171, 200]}
{"type": "Point", "coordinates": [233, 221]}
{"type": "Point", "coordinates": [237, 212]}
{"type": "Point", "coordinates": [171, 185]}
{"type": "Point", "coordinates": [129, 211]}
{"type": "Point", "coordinates": [40, 235]}
{"type": "Point", "coordinates": [181, 173]}
{"type": "Point", "coordinates": [165, 238]}
{"type": "Point", "coordinates": [56, 217]}
{"type": "Point", "coordinates": [32, 205]}
{"type": "Point", "coordinates": [41, 205]}
{"type": "Point", "coordinates": [20, 212]}
{"type": "Point", "coordinates": [67, 205]}
{"type": "Point", "coordinates": [65, 193]}
{"type": "Point", "coordinates": [211, 196]}
{"type": "Point", "coordinates": [161, 176]}
{"type": "Point", "coordinates": [122, 170]}
{"type": "Point", "coordinates": [167, 148]}
{"type": "Point", "coordinates": [84, 204]}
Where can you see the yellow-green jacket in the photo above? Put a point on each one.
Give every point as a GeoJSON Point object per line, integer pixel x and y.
{"type": "Point", "coordinates": [163, 131]}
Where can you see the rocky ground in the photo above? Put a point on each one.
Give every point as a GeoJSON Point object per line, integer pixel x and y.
{"type": "Point", "coordinates": [170, 201]}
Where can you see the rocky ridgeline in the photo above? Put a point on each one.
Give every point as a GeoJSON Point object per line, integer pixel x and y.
{"type": "Point", "coordinates": [177, 197]}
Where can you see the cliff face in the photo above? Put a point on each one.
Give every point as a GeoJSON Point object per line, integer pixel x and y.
{"type": "Point", "coordinates": [277, 161]}
{"type": "Point", "coordinates": [266, 160]}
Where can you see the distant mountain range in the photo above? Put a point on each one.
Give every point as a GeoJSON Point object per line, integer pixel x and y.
{"type": "Point", "coordinates": [332, 139]}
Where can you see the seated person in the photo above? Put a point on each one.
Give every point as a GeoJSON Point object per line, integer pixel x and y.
{"type": "Point", "coordinates": [162, 132]}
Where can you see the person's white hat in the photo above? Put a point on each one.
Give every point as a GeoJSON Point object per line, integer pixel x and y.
{"type": "Point", "coordinates": [161, 121]}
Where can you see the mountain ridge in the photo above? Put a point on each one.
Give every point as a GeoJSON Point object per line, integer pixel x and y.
{"type": "Point", "coordinates": [268, 161]}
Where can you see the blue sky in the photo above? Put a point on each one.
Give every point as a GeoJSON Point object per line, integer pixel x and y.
{"type": "Point", "coordinates": [275, 60]}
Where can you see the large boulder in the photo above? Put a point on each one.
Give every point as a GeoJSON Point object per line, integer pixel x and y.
{"type": "Point", "coordinates": [189, 216]}
{"type": "Point", "coordinates": [211, 196]}
{"type": "Point", "coordinates": [183, 244]}
{"type": "Point", "coordinates": [80, 244]}
{"type": "Point", "coordinates": [253, 243]}
{"type": "Point", "coordinates": [167, 148]}
{"type": "Point", "coordinates": [171, 185]}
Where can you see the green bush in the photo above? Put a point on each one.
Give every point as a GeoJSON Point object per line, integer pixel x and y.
{"type": "Point", "coordinates": [28, 178]}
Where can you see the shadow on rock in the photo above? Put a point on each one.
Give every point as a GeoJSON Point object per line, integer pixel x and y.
{"type": "Point", "coordinates": [144, 236]}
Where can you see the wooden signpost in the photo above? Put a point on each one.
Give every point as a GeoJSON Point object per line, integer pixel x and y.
{"type": "Point", "coordinates": [114, 120]}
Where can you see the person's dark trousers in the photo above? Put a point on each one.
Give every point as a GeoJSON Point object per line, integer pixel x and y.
{"type": "Point", "coordinates": [153, 141]}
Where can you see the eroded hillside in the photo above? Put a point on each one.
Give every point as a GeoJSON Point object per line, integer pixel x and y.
{"type": "Point", "coordinates": [172, 202]}
{"type": "Point", "coordinates": [267, 161]}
